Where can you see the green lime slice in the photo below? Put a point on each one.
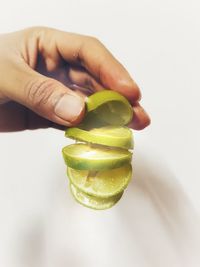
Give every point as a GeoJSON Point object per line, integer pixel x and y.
{"type": "Point", "coordinates": [114, 136]}
{"type": "Point", "coordinates": [88, 157]}
{"type": "Point", "coordinates": [94, 202]}
{"type": "Point", "coordinates": [101, 183]}
{"type": "Point", "coordinates": [91, 121]}
{"type": "Point", "coordinates": [110, 107]}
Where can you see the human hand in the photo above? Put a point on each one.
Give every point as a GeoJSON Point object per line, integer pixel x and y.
{"type": "Point", "coordinates": [43, 73]}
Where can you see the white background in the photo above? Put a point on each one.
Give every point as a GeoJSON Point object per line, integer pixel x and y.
{"type": "Point", "coordinates": [157, 221]}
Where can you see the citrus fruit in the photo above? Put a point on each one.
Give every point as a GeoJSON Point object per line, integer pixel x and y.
{"type": "Point", "coordinates": [87, 157]}
{"type": "Point", "coordinates": [94, 202]}
{"type": "Point", "coordinates": [101, 183]}
{"type": "Point", "coordinates": [114, 136]}
{"type": "Point", "coordinates": [110, 107]}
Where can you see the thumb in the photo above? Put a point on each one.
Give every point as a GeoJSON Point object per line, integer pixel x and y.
{"type": "Point", "coordinates": [47, 97]}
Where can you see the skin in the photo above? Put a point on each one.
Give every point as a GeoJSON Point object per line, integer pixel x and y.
{"type": "Point", "coordinates": [40, 65]}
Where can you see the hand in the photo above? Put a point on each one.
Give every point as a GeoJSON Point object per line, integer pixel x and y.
{"type": "Point", "coordinates": [43, 73]}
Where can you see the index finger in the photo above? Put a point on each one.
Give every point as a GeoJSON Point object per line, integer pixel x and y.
{"type": "Point", "coordinates": [99, 62]}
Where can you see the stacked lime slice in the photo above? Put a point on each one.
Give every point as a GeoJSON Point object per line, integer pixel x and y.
{"type": "Point", "coordinates": [99, 163]}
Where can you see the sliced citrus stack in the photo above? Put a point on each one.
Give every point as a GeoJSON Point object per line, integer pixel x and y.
{"type": "Point", "coordinates": [99, 170]}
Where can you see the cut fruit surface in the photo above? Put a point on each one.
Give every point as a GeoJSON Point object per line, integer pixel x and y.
{"type": "Point", "coordinates": [88, 157]}
{"type": "Point", "coordinates": [101, 183]}
{"type": "Point", "coordinates": [99, 164]}
{"type": "Point", "coordinates": [110, 107]}
{"type": "Point", "coordinates": [114, 136]}
{"type": "Point", "coordinates": [94, 202]}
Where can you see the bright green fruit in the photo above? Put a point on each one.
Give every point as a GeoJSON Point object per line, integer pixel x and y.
{"type": "Point", "coordinates": [109, 107]}
{"type": "Point", "coordinates": [91, 121]}
{"type": "Point", "coordinates": [102, 184]}
{"type": "Point", "coordinates": [100, 170]}
{"type": "Point", "coordinates": [87, 157]}
{"type": "Point", "coordinates": [94, 202]}
{"type": "Point", "coordinates": [114, 136]}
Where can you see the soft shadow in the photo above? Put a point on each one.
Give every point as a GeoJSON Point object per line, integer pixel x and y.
{"type": "Point", "coordinates": [30, 245]}
{"type": "Point", "coordinates": [154, 225]}
{"type": "Point", "coordinates": [161, 217]}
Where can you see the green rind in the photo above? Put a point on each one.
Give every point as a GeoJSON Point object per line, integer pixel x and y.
{"type": "Point", "coordinates": [88, 161]}
{"type": "Point", "coordinates": [103, 97]}
{"type": "Point", "coordinates": [121, 141]}
{"type": "Point", "coordinates": [104, 184]}
{"type": "Point", "coordinates": [94, 202]}
{"type": "Point", "coordinates": [95, 101]}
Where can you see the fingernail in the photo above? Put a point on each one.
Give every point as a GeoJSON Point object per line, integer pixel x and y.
{"type": "Point", "coordinates": [144, 112]}
{"type": "Point", "coordinates": [141, 118]}
{"type": "Point", "coordinates": [69, 107]}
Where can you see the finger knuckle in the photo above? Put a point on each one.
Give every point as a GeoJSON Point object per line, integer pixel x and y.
{"type": "Point", "coordinates": [93, 40]}
{"type": "Point", "coordinates": [37, 32]}
{"type": "Point", "coordinates": [36, 29]}
{"type": "Point", "coordinates": [40, 92]}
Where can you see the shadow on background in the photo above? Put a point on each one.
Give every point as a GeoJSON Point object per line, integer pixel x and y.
{"type": "Point", "coordinates": [163, 221]}
{"type": "Point", "coordinates": [154, 225]}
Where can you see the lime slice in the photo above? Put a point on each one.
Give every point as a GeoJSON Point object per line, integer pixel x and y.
{"type": "Point", "coordinates": [114, 136]}
{"type": "Point", "coordinates": [91, 121]}
{"type": "Point", "coordinates": [110, 107]}
{"type": "Point", "coordinates": [94, 202]}
{"type": "Point", "coordinates": [87, 157]}
{"type": "Point", "coordinates": [101, 183]}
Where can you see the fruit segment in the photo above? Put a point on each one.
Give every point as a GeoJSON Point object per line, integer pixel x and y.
{"type": "Point", "coordinates": [102, 184]}
{"type": "Point", "coordinates": [114, 136]}
{"type": "Point", "coordinates": [94, 202]}
{"type": "Point", "coordinates": [86, 157]}
{"type": "Point", "coordinates": [110, 107]}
